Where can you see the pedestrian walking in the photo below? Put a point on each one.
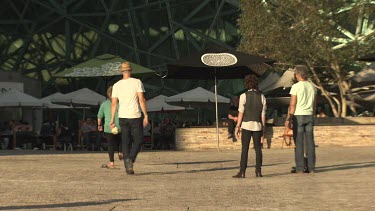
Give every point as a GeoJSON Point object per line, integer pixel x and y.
{"type": "Point", "coordinates": [129, 94]}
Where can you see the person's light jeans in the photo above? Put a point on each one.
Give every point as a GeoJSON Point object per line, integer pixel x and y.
{"type": "Point", "coordinates": [303, 128]}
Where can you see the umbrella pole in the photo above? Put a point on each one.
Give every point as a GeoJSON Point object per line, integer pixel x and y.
{"type": "Point", "coordinates": [217, 115]}
{"type": "Point", "coordinates": [198, 116]}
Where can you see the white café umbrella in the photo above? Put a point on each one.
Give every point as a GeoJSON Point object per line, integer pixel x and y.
{"type": "Point", "coordinates": [158, 104]}
{"type": "Point", "coordinates": [198, 96]}
{"type": "Point", "coordinates": [15, 98]}
{"type": "Point", "coordinates": [81, 98]}
{"type": "Point", "coordinates": [50, 105]}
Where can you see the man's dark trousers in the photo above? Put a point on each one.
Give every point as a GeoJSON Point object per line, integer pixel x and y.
{"type": "Point", "coordinates": [132, 137]}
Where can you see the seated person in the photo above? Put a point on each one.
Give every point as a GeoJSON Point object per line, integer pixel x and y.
{"type": "Point", "coordinates": [90, 133]}
{"type": "Point", "coordinates": [156, 128]}
{"type": "Point", "coordinates": [47, 129]}
{"type": "Point", "coordinates": [4, 140]}
{"type": "Point", "coordinates": [322, 113]}
{"type": "Point", "coordinates": [7, 133]}
{"type": "Point", "coordinates": [156, 134]}
{"type": "Point", "coordinates": [224, 122]}
{"type": "Point", "coordinates": [7, 129]}
{"type": "Point", "coordinates": [167, 129]}
{"type": "Point", "coordinates": [186, 124]}
{"type": "Point", "coordinates": [63, 134]}
{"type": "Point", "coordinates": [232, 117]}
{"type": "Point", "coordinates": [24, 134]}
{"type": "Point", "coordinates": [46, 133]}
{"type": "Point", "coordinates": [23, 127]}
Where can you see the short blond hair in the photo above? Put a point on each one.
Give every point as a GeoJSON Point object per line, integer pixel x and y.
{"type": "Point", "coordinates": [109, 92]}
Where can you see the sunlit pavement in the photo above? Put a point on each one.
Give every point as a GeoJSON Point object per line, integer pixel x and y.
{"type": "Point", "coordinates": [176, 180]}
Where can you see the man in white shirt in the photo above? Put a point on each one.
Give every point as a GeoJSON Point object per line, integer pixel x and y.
{"type": "Point", "coordinates": [128, 92]}
{"type": "Point", "coordinates": [301, 114]}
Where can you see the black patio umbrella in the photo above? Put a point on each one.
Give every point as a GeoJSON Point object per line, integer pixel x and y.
{"type": "Point", "coordinates": [368, 58]}
{"type": "Point", "coordinates": [230, 64]}
{"type": "Point", "coordinates": [217, 63]}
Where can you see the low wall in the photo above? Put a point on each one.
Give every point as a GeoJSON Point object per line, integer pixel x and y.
{"type": "Point", "coordinates": [337, 135]}
{"type": "Point", "coordinates": [331, 121]}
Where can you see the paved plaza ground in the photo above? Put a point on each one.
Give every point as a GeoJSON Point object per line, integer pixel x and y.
{"type": "Point", "coordinates": [176, 180]}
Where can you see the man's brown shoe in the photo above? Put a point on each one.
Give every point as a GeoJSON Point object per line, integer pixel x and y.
{"type": "Point", "coordinates": [129, 166]}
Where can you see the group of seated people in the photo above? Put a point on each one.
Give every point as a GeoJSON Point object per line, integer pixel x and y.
{"type": "Point", "coordinates": [92, 138]}
{"type": "Point", "coordinates": [87, 131]}
{"type": "Point", "coordinates": [164, 134]}
{"type": "Point", "coordinates": [26, 137]}
{"type": "Point", "coordinates": [50, 131]}
{"type": "Point", "coordinates": [23, 132]}
{"type": "Point", "coordinates": [55, 135]}
{"type": "Point", "coordinates": [60, 134]}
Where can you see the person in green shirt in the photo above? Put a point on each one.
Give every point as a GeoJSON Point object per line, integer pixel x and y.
{"type": "Point", "coordinates": [114, 140]}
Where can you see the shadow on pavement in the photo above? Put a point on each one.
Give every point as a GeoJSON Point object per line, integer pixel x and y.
{"type": "Point", "coordinates": [339, 167]}
{"type": "Point", "coordinates": [198, 162]}
{"type": "Point", "coordinates": [201, 170]}
{"type": "Point", "coordinates": [64, 205]}
{"type": "Point", "coordinates": [189, 171]}
{"type": "Point", "coordinates": [43, 152]}
{"type": "Point", "coordinates": [277, 174]}
{"type": "Point", "coordinates": [345, 166]}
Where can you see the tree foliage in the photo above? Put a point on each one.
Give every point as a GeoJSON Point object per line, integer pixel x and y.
{"type": "Point", "coordinates": [328, 36]}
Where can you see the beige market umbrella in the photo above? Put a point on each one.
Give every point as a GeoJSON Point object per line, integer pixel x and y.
{"type": "Point", "coordinates": [15, 98]}
{"type": "Point", "coordinates": [48, 103]}
{"type": "Point", "coordinates": [158, 104]}
{"type": "Point", "coordinates": [81, 97]}
{"type": "Point", "coordinates": [197, 98]}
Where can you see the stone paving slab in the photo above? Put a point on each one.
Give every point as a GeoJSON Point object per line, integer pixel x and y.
{"type": "Point", "coordinates": [178, 180]}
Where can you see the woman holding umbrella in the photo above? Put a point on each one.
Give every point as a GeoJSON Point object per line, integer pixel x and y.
{"type": "Point", "coordinates": [252, 120]}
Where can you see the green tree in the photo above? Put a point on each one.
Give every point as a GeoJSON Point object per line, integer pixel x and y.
{"type": "Point", "coordinates": [327, 36]}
